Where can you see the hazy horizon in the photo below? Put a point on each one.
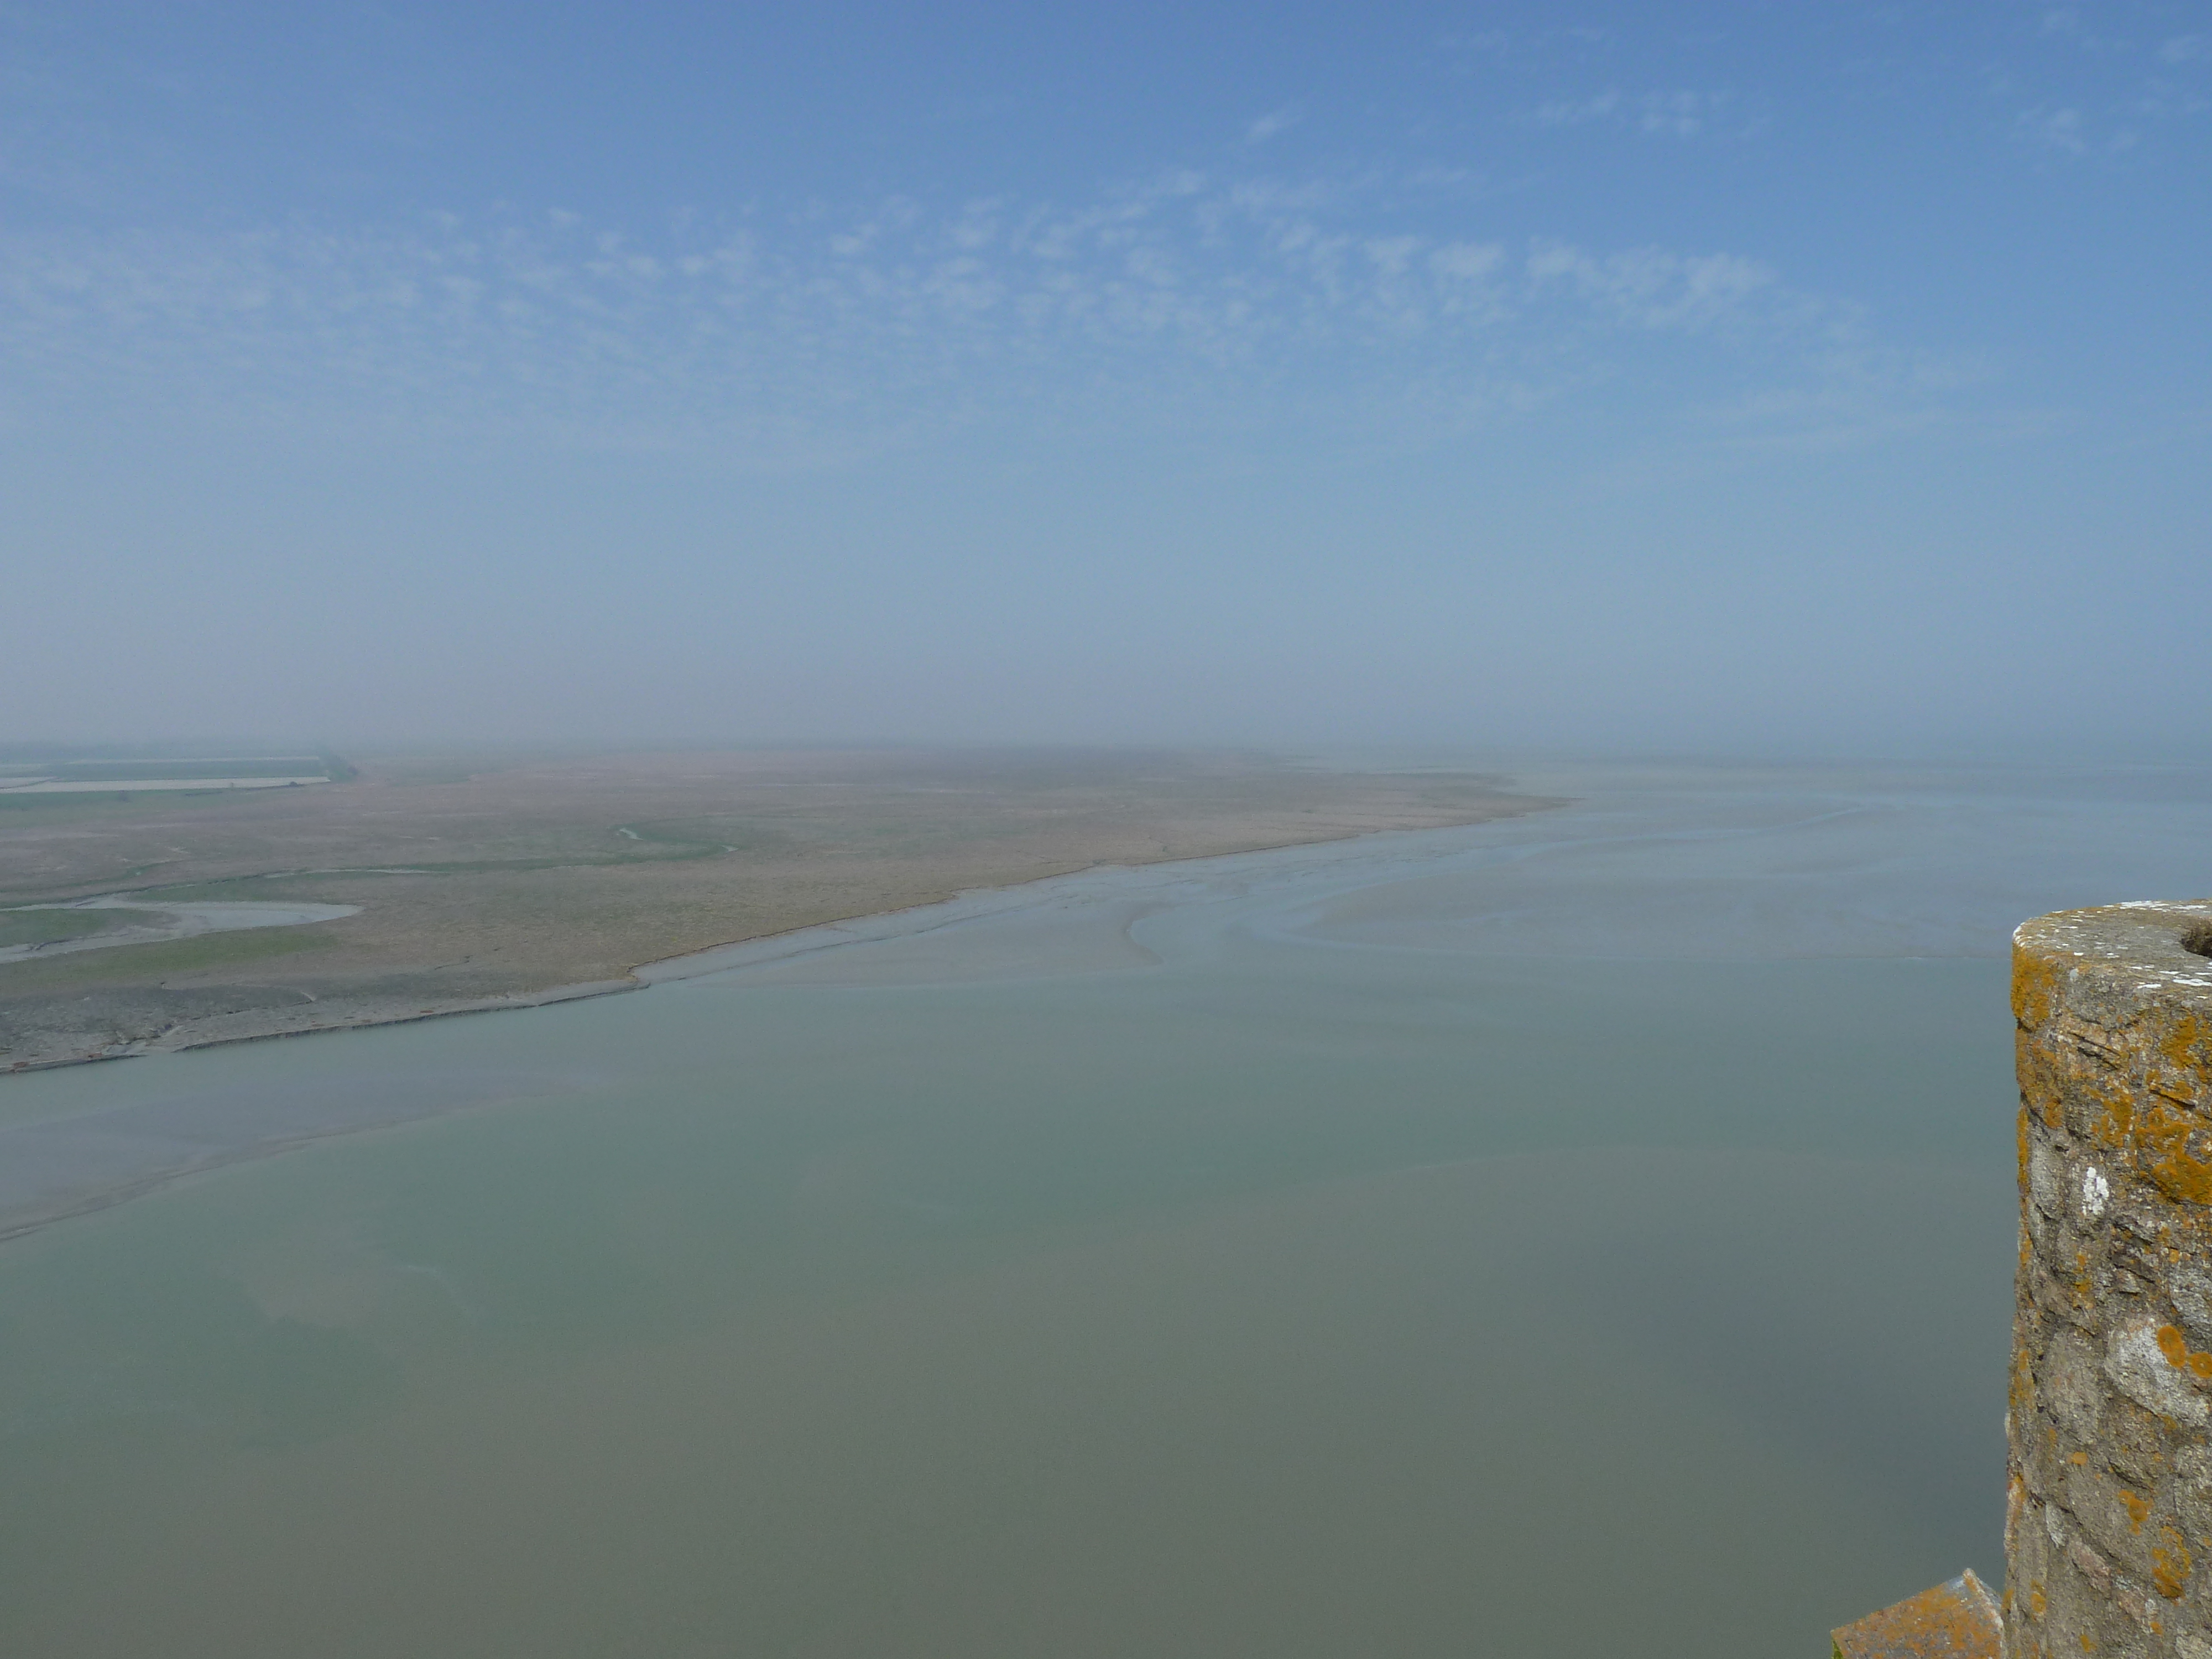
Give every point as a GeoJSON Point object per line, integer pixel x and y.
{"type": "Point", "coordinates": [1476, 378]}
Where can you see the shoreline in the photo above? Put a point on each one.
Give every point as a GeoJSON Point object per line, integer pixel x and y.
{"type": "Point", "coordinates": [269, 1025]}
{"type": "Point", "coordinates": [52, 1170]}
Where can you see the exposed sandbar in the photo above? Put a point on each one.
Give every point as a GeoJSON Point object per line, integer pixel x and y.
{"type": "Point", "coordinates": [477, 883]}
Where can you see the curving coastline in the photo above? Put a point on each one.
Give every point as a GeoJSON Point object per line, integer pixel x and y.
{"type": "Point", "coordinates": [55, 1167]}
{"type": "Point", "coordinates": [106, 1020]}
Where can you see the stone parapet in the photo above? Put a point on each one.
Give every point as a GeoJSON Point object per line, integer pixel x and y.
{"type": "Point", "coordinates": [1957, 1620]}
{"type": "Point", "coordinates": [2108, 1524]}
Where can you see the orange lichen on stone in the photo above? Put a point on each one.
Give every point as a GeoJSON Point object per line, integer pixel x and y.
{"type": "Point", "coordinates": [2180, 1355]}
{"type": "Point", "coordinates": [2178, 1148]}
{"type": "Point", "coordinates": [2037, 1092]}
{"type": "Point", "coordinates": [2183, 1049]}
{"type": "Point", "coordinates": [2138, 1509]}
{"type": "Point", "coordinates": [2034, 986]}
{"type": "Point", "coordinates": [1957, 1620]}
{"type": "Point", "coordinates": [2170, 1564]}
{"type": "Point", "coordinates": [2116, 1117]}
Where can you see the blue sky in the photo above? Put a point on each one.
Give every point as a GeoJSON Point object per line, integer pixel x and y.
{"type": "Point", "coordinates": [1736, 378]}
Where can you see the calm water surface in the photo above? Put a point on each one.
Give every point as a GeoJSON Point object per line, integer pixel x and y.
{"type": "Point", "coordinates": [1586, 1234]}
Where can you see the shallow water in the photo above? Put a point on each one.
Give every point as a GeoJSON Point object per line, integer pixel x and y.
{"type": "Point", "coordinates": [1587, 1232]}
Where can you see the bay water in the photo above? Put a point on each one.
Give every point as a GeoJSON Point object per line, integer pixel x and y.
{"type": "Point", "coordinates": [1582, 1233]}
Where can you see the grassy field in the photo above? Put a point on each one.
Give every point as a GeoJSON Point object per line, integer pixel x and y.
{"type": "Point", "coordinates": [504, 875]}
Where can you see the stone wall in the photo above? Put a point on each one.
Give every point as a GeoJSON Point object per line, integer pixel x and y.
{"type": "Point", "coordinates": [2108, 1526]}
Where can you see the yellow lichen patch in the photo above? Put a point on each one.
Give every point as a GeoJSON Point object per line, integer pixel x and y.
{"type": "Point", "coordinates": [2034, 987]}
{"type": "Point", "coordinates": [1959, 1620]}
{"type": "Point", "coordinates": [2039, 1088]}
{"type": "Point", "coordinates": [2180, 1355]}
{"type": "Point", "coordinates": [2115, 1102]}
{"type": "Point", "coordinates": [2037, 1602]}
{"type": "Point", "coordinates": [2170, 1564]}
{"type": "Point", "coordinates": [2181, 1045]}
{"type": "Point", "coordinates": [2183, 1041]}
{"type": "Point", "coordinates": [2081, 1062]}
{"type": "Point", "coordinates": [2178, 1146]}
{"type": "Point", "coordinates": [2079, 1460]}
{"type": "Point", "coordinates": [2137, 1506]}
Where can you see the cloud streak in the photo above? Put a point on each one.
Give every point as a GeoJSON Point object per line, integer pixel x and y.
{"type": "Point", "coordinates": [1677, 114]}
{"type": "Point", "coordinates": [1182, 290]}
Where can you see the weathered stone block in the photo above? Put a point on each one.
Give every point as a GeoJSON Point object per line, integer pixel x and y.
{"type": "Point", "coordinates": [2069, 1388]}
{"type": "Point", "coordinates": [1957, 1620]}
{"type": "Point", "coordinates": [2110, 1428]}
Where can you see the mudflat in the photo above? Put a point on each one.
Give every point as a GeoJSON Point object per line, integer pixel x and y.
{"type": "Point", "coordinates": [480, 882]}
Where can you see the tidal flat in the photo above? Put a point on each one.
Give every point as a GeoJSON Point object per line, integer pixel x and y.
{"type": "Point", "coordinates": [1582, 1232]}
{"type": "Point", "coordinates": [458, 882]}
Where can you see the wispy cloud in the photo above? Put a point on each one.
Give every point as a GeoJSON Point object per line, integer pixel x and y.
{"type": "Point", "coordinates": [2102, 85]}
{"type": "Point", "coordinates": [1650, 287]}
{"type": "Point", "coordinates": [901, 317]}
{"type": "Point", "coordinates": [1275, 121]}
{"type": "Point", "coordinates": [2052, 129]}
{"type": "Point", "coordinates": [1679, 115]}
{"type": "Point", "coordinates": [1683, 114]}
{"type": "Point", "coordinates": [1573, 111]}
{"type": "Point", "coordinates": [2068, 131]}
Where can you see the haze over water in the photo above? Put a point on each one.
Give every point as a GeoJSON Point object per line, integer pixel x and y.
{"type": "Point", "coordinates": [1584, 1233]}
{"type": "Point", "coordinates": [1587, 1233]}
